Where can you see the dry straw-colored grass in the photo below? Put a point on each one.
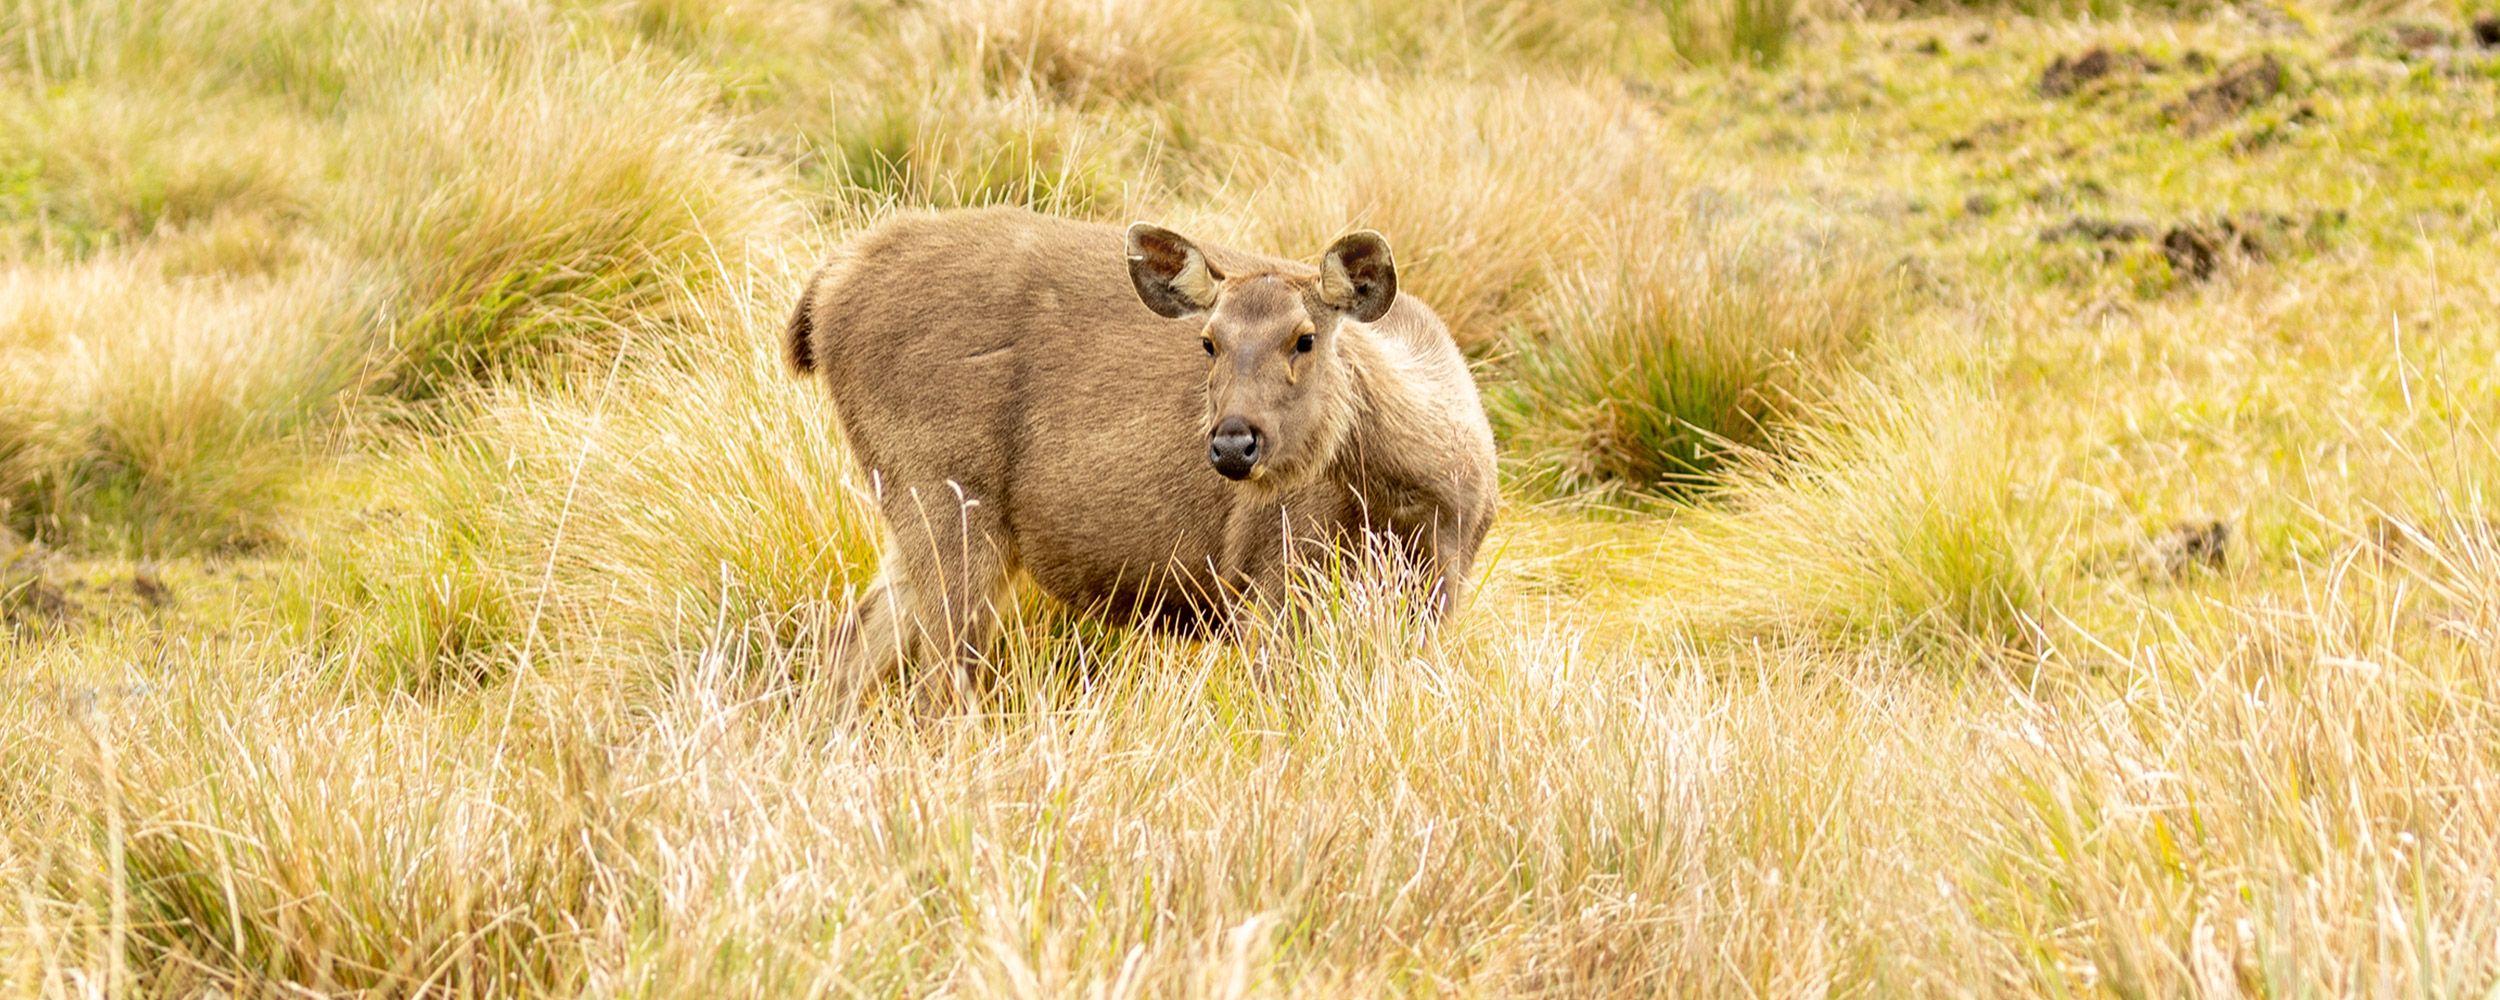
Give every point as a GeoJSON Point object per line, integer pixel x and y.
{"type": "Point", "coordinates": [697, 492]}
{"type": "Point", "coordinates": [430, 567]}
{"type": "Point", "coordinates": [159, 411]}
{"type": "Point", "coordinates": [1681, 340]}
{"type": "Point", "coordinates": [530, 208]}
{"type": "Point", "coordinates": [1488, 189]}
{"type": "Point", "coordinates": [1091, 50]}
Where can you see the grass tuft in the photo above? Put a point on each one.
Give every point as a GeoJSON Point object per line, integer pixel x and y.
{"type": "Point", "coordinates": [692, 488]}
{"type": "Point", "coordinates": [431, 565]}
{"type": "Point", "coordinates": [101, 165]}
{"type": "Point", "coordinates": [1919, 522]}
{"type": "Point", "coordinates": [1683, 339]}
{"type": "Point", "coordinates": [529, 208]}
{"type": "Point", "coordinates": [1485, 188]}
{"type": "Point", "coordinates": [1090, 51]}
{"type": "Point", "coordinates": [175, 412]}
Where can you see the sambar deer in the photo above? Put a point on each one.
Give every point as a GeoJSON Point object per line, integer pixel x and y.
{"type": "Point", "coordinates": [1151, 429]}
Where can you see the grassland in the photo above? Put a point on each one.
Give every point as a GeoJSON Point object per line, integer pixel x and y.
{"type": "Point", "coordinates": [1997, 503]}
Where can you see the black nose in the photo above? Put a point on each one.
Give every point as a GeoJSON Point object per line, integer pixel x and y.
{"type": "Point", "coordinates": [1234, 448]}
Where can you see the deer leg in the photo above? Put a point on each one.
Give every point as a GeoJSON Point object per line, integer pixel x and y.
{"type": "Point", "coordinates": [1256, 571]}
{"type": "Point", "coordinates": [867, 646]}
{"type": "Point", "coordinates": [936, 608]}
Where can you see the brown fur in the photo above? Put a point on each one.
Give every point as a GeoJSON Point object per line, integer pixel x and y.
{"type": "Point", "coordinates": [798, 342]}
{"type": "Point", "coordinates": [1017, 407]}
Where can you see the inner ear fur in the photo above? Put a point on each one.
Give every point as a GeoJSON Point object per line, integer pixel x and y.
{"type": "Point", "coordinates": [1173, 276]}
{"type": "Point", "coordinates": [1357, 275]}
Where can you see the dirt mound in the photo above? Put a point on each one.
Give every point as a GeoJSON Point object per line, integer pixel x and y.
{"type": "Point", "coordinates": [2083, 229]}
{"type": "Point", "coordinates": [2240, 86]}
{"type": "Point", "coordinates": [2196, 250]}
{"type": "Point", "coordinates": [2398, 40]}
{"type": "Point", "coordinates": [2067, 75]}
{"type": "Point", "coordinates": [27, 591]}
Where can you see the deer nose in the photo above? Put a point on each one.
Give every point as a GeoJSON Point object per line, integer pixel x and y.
{"type": "Point", "coordinates": [1234, 448]}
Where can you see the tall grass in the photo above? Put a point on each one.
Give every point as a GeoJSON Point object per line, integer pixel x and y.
{"type": "Point", "coordinates": [1487, 188]}
{"type": "Point", "coordinates": [529, 206]}
{"type": "Point", "coordinates": [971, 148]}
{"type": "Point", "coordinates": [687, 487]}
{"type": "Point", "coordinates": [1740, 31]}
{"type": "Point", "coordinates": [1807, 823]}
{"type": "Point", "coordinates": [174, 413]}
{"type": "Point", "coordinates": [103, 164]}
{"type": "Point", "coordinates": [1917, 521]}
{"type": "Point", "coordinates": [1090, 51]}
{"type": "Point", "coordinates": [1634, 37]}
{"type": "Point", "coordinates": [1684, 338]}
{"type": "Point", "coordinates": [201, 811]}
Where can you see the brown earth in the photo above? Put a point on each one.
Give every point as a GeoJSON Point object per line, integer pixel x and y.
{"type": "Point", "coordinates": [2238, 87]}
{"type": "Point", "coordinates": [2067, 75]}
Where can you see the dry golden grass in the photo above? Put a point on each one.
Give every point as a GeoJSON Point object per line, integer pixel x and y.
{"type": "Point", "coordinates": [431, 563]}
{"type": "Point", "coordinates": [162, 410]}
{"type": "Point", "coordinates": [1090, 50]}
{"type": "Point", "coordinates": [530, 207]}
{"type": "Point", "coordinates": [1680, 341]}
{"type": "Point", "coordinates": [697, 492]}
{"type": "Point", "coordinates": [1520, 179]}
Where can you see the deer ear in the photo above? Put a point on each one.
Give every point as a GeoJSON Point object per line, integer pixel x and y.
{"type": "Point", "coordinates": [1356, 275]}
{"type": "Point", "coordinates": [1172, 275]}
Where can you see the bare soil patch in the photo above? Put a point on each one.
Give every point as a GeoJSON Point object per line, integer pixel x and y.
{"type": "Point", "coordinates": [2068, 75]}
{"type": "Point", "coordinates": [2101, 232]}
{"type": "Point", "coordinates": [2399, 40]}
{"type": "Point", "coordinates": [2196, 250]}
{"type": "Point", "coordinates": [28, 593]}
{"type": "Point", "coordinates": [2240, 86]}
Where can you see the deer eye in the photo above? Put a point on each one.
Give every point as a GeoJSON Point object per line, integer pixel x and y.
{"type": "Point", "coordinates": [1209, 344]}
{"type": "Point", "coordinates": [1302, 344]}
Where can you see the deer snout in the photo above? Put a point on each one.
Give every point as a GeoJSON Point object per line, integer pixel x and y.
{"type": "Point", "coordinates": [1234, 448]}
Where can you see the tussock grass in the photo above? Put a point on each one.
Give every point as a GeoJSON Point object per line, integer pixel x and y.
{"type": "Point", "coordinates": [100, 165]}
{"type": "Point", "coordinates": [1917, 521]}
{"type": "Point", "coordinates": [969, 148]}
{"type": "Point", "coordinates": [1487, 188]}
{"type": "Point", "coordinates": [161, 413]}
{"type": "Point", "coordinates": [1481, 37]}
{"type": "Point", "coordinates": [698, 25]}
{"type": "Point", "coordinates": [1090, 50]}
{"type": "Point", "coordinates": [1473, 36]}
{"type": "Point", "coordinates": [529, 206]}
{"type": "Point", "coordinates": [1732, 31]}
{"type": "Point", "coordinates": [418, 588]}
{"type": "Point", "coordinates": [1684, 337]}
{"type": "Point", "coordinates": [197, 834]}
{"type": "Point", "coordinates": [695, 489]}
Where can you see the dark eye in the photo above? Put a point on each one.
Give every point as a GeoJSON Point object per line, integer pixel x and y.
{"type": "Point", "coordinates": [1209, 344]}
{"type": "Point", "coordinates": [1302, 344]}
